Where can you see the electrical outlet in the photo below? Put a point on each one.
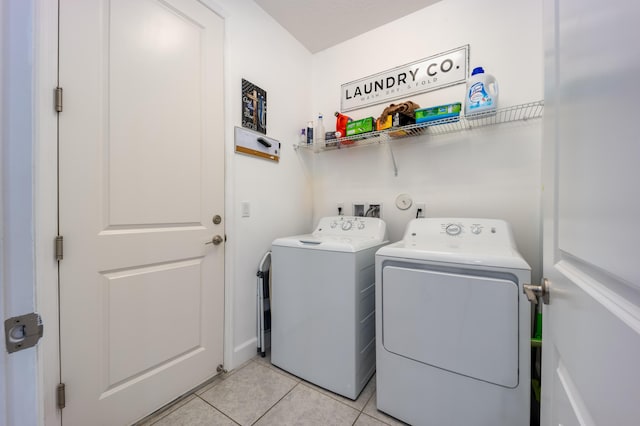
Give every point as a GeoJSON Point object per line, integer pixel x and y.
{"type": "Point", "coordinates": [358, 209]}
{"type": "Point", "coordinates": [421, 209]}
{"type": "Point", "coordinates": [375, 210]}
{"type": "Point", "coordinates": [340, 209]}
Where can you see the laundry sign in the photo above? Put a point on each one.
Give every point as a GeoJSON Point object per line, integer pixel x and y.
{"type": "Point", "coordinates": [435, 72]}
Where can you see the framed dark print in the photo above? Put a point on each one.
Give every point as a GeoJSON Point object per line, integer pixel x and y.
{"type": "Point", "coordinates": [254, 107]}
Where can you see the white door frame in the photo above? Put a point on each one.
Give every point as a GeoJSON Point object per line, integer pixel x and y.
{"type": "Point", "coordinates": [29, 73]}
{"type": "Point", "coordinates": [39, 370]}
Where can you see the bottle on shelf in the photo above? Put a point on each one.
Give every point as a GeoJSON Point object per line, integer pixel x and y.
{"type": "Point", "coordinates": [309, 132]}
{"type": "Point", "coordinates": [341, 126]}
{"type": "Point", "coordinates": [319, 136]}
{"type": "Point", "coordinates": [302, 137]}
{"type": "Point", "coordinates": [482, 95]}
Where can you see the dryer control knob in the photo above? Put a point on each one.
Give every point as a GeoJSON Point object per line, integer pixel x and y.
{"type": "Point", "coordinates": [361, 225]}
{"type": "Point", "coordinates": [346, 225]}
{"type": "Point", "coordinates": [334, 224]}
{"type": "Point", "coordinates": [476, 229]}
{"type": "Point", "coordinates": [453, 229]}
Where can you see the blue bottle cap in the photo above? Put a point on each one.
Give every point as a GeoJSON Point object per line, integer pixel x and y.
{"type": "Point", "coordinates": [477, 70]}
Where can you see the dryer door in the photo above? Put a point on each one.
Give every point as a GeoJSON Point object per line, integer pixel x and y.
{"type": "Point", "coordinates": [460, 323]}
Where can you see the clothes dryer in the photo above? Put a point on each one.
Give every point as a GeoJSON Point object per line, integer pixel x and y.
{"type": "Point", "coordinates": [453, 325]}
{"type": "Point", "coordinates": [323, 303]}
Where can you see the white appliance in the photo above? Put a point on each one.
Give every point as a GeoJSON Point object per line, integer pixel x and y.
{"type": "Point", "coordinates": [323, 303]}
{"type": "Point", "coordinates": [453, 325]}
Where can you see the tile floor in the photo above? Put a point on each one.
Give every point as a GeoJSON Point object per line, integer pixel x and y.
{"type": "Point", "coordinates": [259, 393]}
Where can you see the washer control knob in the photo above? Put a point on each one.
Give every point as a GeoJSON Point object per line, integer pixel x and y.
{"type": "Point", "coordinates": [360, 225]}
{"type": "Point", "coordinates": [346, 225]}
{"type": "Point", "coordinates": [334, 224]}
{"type": "Point", "coordinates": [453, 229]}
{"type": "Point", "coordinates": [476, 229]}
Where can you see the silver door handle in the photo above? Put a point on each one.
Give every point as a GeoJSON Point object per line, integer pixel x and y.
{"type": "Point", "coordinates": [217, 239]}
{"type": "Point", "coordinates": [534, 291]}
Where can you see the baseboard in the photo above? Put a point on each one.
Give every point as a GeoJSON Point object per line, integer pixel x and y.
{"type": "Point", "coordinates": [244, 352]}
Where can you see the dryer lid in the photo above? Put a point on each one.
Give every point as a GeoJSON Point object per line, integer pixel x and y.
{"type": "Point", "coordinates": [486, 242]}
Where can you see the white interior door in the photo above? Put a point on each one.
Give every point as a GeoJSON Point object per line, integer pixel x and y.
{"type": "Point", "coordinates": [141, 177]}
{"type": "Point", "coordinates": [591, 341]}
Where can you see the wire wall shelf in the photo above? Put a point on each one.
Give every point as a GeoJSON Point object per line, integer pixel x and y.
{"type": "Point", "coordinates": [523, 112]}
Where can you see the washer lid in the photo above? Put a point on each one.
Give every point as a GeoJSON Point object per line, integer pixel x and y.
{"type": "Point", "coordinates": [487, 242]}
{"type": "Point", "coordinates": [329, 242]}
{"type": "Point", "coordinates": [340, 233]}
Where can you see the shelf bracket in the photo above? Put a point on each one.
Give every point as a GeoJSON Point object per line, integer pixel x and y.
{"type": "Point", "coordinates": [393, 159]}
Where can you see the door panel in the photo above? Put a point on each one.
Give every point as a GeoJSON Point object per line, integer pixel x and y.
{"type": "Point", "coordinates": [155, 115]}
{"type": "Point", "coordinates": [141, 176]}
{"type": "Point", "coordinates": [591, 340]}
{"type": "Point", "coordinates": [160, 333]}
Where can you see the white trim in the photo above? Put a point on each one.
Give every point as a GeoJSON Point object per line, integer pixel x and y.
{"type": "Point", "coordinates": [215, 7]}
{"type": "Point", "coordinates": [45, 212]}
{"type": "Point", "coordinates": [229, 222]}
{"type": "Point", "coordinates": [245, 351]}
{"type": "Point", "coordinates": [585, 277]}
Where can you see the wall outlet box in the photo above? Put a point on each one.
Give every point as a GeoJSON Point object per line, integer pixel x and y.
{"type": "Point", "coordinates": [358, 209]}
{"type": "Point", "coordinates": [374, 210]}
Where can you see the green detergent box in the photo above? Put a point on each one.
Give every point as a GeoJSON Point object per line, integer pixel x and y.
{"type": "Point", "coordinates": [357, 127]}
{"type": "Point", "coordinates": [425, 115]}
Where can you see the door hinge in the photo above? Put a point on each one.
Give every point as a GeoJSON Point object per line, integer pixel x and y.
{"type": "Point", "coordinates": [23, 332]}
{"type": "Point", "coordinates": [61, 396]}
{"type": "Point", "coordinates": [58, 99]}
{"type": "Point", "coordinates": [59, 248]}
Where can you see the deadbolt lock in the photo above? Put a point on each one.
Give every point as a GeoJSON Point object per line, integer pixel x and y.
{"type": "Point", "coordinates": [217, 219]}
{"type": "Point", "coordinates": [22, 332]}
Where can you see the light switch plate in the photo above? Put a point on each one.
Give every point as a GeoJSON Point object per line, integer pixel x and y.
{"type": "Point", "coordinates": [246, 208]}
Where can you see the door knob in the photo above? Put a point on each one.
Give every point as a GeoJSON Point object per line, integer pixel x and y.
{"type": "Point", "coordinates": [217, 239]}
{"type": "Point", "coordinates": [534, 291]}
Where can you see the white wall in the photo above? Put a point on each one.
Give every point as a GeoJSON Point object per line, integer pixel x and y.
{"type": "Point", "coordinates": [261, 51]}
{"type": "Point", "coordinates": [491, 172]}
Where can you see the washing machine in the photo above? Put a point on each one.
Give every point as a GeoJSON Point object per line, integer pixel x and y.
{"type": "Point", "coordinates": [453, 325]}
{"type": "Point", "coordinates": [323, 303]}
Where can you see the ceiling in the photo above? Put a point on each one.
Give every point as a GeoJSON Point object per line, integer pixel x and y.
{"type": "Point", "coordinates": [319, 24]}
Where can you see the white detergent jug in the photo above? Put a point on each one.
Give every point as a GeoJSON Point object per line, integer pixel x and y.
{"type": "Point", "coordinates": [482, 95]}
